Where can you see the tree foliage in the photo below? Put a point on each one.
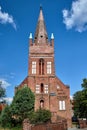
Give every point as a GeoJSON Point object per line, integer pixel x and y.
{"type": "Point", "coordinates": [5, 118]}
{"type": "Point", "coordinates": [40, 116]}
{"type": "Point", "coordinates": [2, 95]}
{"type": "Point", "coordinates": [23, 104]}
{"type": "Point", "coordinates": [2, 91]}
{"type": "Point", "coordinates": [22, 107]}
{"type": "Point", "coordinates": [80, 101]}
{"type": "Point", "coordinates": [84, 84]}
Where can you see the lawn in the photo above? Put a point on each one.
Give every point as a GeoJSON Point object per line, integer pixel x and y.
{"type": "Point", "coordinates": [15, 128]}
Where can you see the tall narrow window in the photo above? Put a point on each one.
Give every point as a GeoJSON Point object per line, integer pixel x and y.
{"type": "Point", "coordinates": [62, 105]}
{"type": "Point", "coordinates": [37, 89]}
{"type": "Point", "coordinates": [46, 89]}
{"type": "Point", "coordinates": [48, 67]}
{"type": "Point", "coordinates": [41, 66]}
{"type": "Point", "coordinates": [42, 88]}
{"type": "Point", "coordinates": [33, 67]}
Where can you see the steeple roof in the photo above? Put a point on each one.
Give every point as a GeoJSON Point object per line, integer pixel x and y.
{"type": "Point", "coordinates": [41, 33]}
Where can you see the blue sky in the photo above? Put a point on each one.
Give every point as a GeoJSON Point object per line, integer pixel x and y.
{"type": "Point", "coordinates": [66, 19]}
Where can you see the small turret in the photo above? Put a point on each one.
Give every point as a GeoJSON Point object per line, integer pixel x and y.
{"type": "Point", "coordinates": [52, 39]}
{"type": "Point", "coordinates": [30, 39]}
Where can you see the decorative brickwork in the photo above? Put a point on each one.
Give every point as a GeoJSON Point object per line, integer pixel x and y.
{"type": "Point", "coordinates": [50, 92]}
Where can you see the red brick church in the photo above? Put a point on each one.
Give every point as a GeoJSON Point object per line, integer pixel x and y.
{"type": "Point", "coordinates": [50, 92]}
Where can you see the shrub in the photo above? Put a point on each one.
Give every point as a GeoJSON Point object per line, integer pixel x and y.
{"type": "Point", "coordinates": [40, 116]}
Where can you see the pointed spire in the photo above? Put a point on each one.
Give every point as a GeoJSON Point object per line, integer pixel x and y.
{"type": "Point", "coordinates": [41, 34]}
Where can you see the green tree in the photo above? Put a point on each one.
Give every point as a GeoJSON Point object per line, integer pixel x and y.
{"type": "Point", "coordinates": [80, 101]}
{"type": "Point", "coordinates": [84, 84]}
{"type": "Point", "coordinates": [2, 91]}
{"type": "Point", "coordinates": [2, 95]}
{"type": "Point", "coordinates": [40, 116]}
{"type": "Point", "coordinates": [22, 104]}
{"type": "Point", "coordinates": [5, 118]}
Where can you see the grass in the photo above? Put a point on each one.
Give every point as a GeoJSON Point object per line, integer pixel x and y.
{"type": "Point", "coordinates": [15, 128]}
{"type": "Point", "coordinates": [3, 128]}
{"type": "Point", "coordinates": [74, 124]}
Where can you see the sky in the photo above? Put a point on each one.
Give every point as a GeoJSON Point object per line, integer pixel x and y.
{"type": "Point", "coordinates": [67, 20]}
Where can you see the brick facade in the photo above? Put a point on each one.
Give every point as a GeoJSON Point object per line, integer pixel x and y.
{"type": "Point", "coordinates": [50, 92]}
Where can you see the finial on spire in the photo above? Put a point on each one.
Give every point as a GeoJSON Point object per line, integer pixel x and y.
{"type": "Point", "coordinates": [30, 36]}
{"type": "Point", "coordinates": [41, 15]}
{"type": "Point", "coordinates": [52, 36]}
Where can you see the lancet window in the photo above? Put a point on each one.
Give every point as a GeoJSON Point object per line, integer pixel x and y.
{"type": "Point", "coordinates": [41, 66]}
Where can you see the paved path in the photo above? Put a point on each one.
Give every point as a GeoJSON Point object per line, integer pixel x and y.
{"type": "Point", "coordinates": [77, 128]}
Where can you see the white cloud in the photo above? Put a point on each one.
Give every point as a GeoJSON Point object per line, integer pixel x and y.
{"type": "Point", "coordinates": [8, 99]}
{"type": "Point", "coordinates": [12, 75]}
{"type": "Point", "coordinates": [4, 83]}
{"type": "Point", "coordinates": [77, 16]}
{"type": "Point", "coordinates": [71, 97]}
{"type": "Point", "coordinates": [6, 18]}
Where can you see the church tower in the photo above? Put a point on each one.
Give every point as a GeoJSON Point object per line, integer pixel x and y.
{"type": "Point", "coordinates": [41, 64]}
{"type": "Point", "coordinates": [50, 92]}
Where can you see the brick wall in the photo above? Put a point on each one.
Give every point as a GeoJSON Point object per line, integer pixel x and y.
{"type": "Point", "coordinates": [61, 125]}
{"type": "Point", "coordinates": [82, 123]}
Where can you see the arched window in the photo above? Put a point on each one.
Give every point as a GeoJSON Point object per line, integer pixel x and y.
{"type": "Point", "coordinates": [41, 66]}
{"type": "Point", "coordinates": [42, 88]}
{"type": "Point", "coordinates": [41, 104]}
